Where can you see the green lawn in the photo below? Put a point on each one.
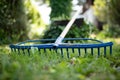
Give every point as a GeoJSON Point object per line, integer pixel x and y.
{"type": "Point", "coordinates": [53, 67]}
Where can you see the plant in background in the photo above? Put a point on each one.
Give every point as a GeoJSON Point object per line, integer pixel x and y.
{"type": "Point", "coordinates": [32, 12]}
{"type": "Point", "coordinates": [13, 25]}
{"type": "Point", "coordinates": [114, 18]}
{"type": "Point", "coordinates": [53, 31]}
{"type": "Point", "coordinates": [60, 9]}
{"type": "Point", "coordinates": [60, 16]}
{"type": "Point", "coordinates": [101, 10]}
{"type": "Point", "coordinates": [114, 11]}
{"type": "Point", "coordinates": [108, 11]}
{"type": "Point", "coordinates": [79, 32]}
{"type": "Point", "coordinates": [34, 18]}
{"type": "Point", "coordinates": [75, 31]}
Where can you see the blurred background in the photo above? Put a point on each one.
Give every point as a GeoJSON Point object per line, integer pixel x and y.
{"type": "Point", "coordinates": [35, 19]}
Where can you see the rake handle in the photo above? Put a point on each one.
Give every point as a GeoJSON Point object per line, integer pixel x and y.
{"type": "Point", "coordinates": [66, 29]}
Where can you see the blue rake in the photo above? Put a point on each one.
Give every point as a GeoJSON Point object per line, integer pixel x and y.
{"type": "Point", "coordinates": [63, 46]}
{"type": "Point", "coordinates": [62, 43]}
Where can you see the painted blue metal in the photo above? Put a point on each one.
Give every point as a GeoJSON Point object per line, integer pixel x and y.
{"type": "Point", "coordinates": [42, 46]}
{"type": "Point", "coordinates": [22, 46]}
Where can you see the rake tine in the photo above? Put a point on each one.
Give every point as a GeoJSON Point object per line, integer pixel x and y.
{"type": "Point", "coordinates": [39, 51]}
{"type": "Point", "coordinates": [44, 50]}
{"type": "Point", "coordinates": [11, 49]}
{"type": "Point", "coordinates": [67, 53]}
{"type": "Point", "coordinates": [85, 50]}
{"type": "Point", "coordinates": [15, 50]}
{"type": "Point", "coordinates": [92, 51]}
{"type": "Point", "coordinates": [104, 51]}
{"type": "Point", "coordinates": [23, 51]}
{"type": "Point", "coordinates": [79, 52]}
{"type": "Point", "coordinates": [56, 50]}
{"type": "Point", "coordinates": [98, 51]}
{"type": "Point", "coordinates": [28, 51]}
{"type": "Point", "coordinates": [19, 51]}
{"type": "Point", "coordinates": [73, 50]}
{"type": "Point", "coordinates": [110, 50]}
{"type": "Point", "coordinates": [50, 49]}
{"type": "Point", "coordinates": [61, 52]}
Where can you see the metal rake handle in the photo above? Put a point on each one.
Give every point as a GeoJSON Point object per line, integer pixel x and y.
{"type": "Point", "coordinates": [65, 31]}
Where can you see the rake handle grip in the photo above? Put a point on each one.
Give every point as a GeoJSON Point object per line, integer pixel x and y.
{"type": "Point", "coordinates": [68, 26]}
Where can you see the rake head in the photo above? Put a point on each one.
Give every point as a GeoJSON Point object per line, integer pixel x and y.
{"type": "Point", "coordinates": [67, 46]}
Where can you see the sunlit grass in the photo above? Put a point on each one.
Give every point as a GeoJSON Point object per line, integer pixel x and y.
{"type": "Point", "coordinates": [50, 65]}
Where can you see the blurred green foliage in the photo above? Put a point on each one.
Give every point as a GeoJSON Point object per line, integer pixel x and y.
{"type": "Point", "coordinates": [101, 10]}
{"type": "Point", "coordinates": [108, 11]}
{"type": "Point", "coordinates": [34, 19]}
{"type": "Point", "coordinates": [50, 66]}
{"type": "Point", "coordinates": [32, 13]}
{"type": "Point", "coordinates": [75, 32]}
{"type": "Point", "coordinates": [19, 20]}
{"type": "Point", "coordinates": [60, 9]}
{"type": "Point", "coordinates": [114, 18]}
{"type": "Point", "coordinates": [13, 20]}
{"type": "Point", "coordinates": [114, 10]}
